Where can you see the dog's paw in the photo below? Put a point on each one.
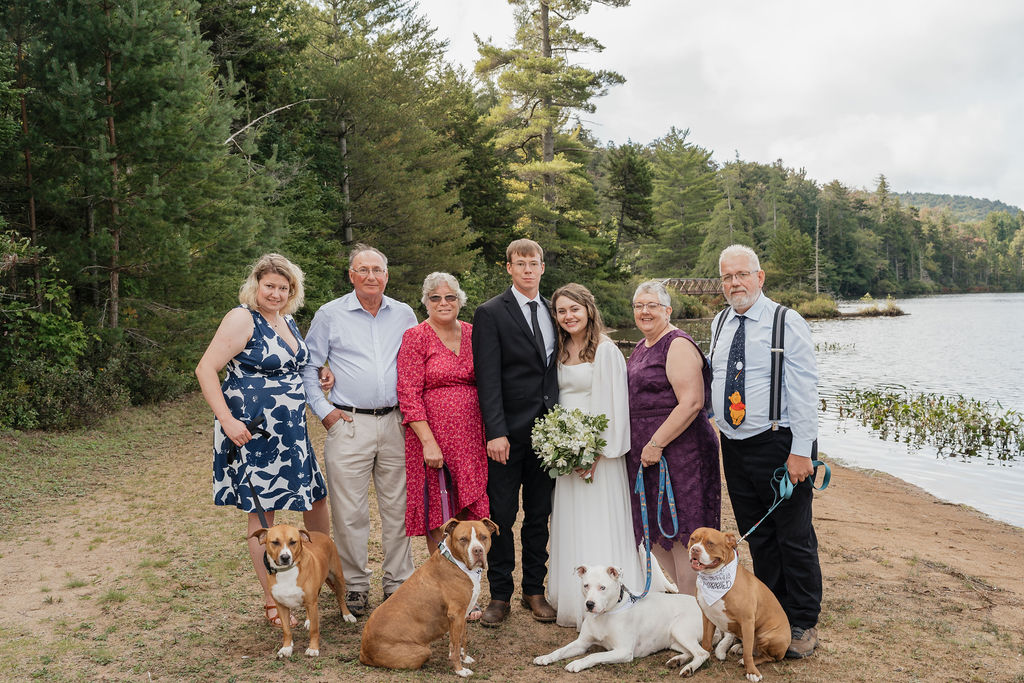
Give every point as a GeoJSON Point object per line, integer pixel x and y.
{"type": "Point", "coordinates": [678, 659]}
{"type": "Point", "coordinates": [576, 666]}
{"type": "Point", "coordinates": [306, 625]}
{"type": "Point", "coordinates": [466, 659]}
{"type": "Point", "coordinates": [543, 660]}
{"type": "Point", "coordinates": [754, 678]}
{"type": "Point", "coordinates": [310, 652]}
{"type": "Point", "coordinates": [464, 672]}
{"type": "Point", "coordinates": [736, 649]}
{"type": "Point", "coordinates": [350, 618]}
{"type": "Point", "coordinates": [284, 652]}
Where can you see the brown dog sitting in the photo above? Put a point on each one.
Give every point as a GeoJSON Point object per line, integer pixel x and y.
{"type": "Point", "coordinates": [298, 563]}
{"type": "Point", "coordinates": [737, 602]}
{"type": "Point", "coordinates": [434, 600]}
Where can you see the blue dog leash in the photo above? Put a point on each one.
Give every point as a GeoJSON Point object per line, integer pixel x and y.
{"type": "Point", "coordinates": [782, 488]}
{"type": "Point", "coordinates": [664, 489]}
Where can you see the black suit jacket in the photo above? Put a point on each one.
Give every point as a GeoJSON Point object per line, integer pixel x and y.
{"type": "Point", "coordinates": [515, 383]}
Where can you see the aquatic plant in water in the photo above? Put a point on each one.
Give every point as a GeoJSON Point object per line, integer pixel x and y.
{"type": "Point", "coordinates": [954, 425]}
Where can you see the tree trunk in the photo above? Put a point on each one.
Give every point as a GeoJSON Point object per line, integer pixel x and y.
{"type": "Point", "coordinates": [115, 209]}
{"type": "Point", "coordinates": [549, 133]}
{"type": "Point", "coordinates": [29, 189]}
{"type": "Point", "coordinates": [346, 214]}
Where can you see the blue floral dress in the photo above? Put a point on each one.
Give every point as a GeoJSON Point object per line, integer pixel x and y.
{"type": "Point", "coordinates": [264, 380]}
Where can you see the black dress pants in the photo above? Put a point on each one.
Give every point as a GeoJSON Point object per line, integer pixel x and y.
{"type": "Point", "coordinates": [784, 548]}
{"type": "Point", "coordinates": [522, 471]}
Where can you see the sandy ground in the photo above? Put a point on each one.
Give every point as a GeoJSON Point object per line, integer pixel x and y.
{"type": "Point", "coordinates": [142, 578]}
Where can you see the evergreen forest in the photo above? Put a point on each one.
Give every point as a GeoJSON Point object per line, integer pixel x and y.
{"type": "Point", "coordinates": [150, 150]}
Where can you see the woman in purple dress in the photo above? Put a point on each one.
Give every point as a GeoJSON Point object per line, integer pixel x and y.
{"type": "Point", "coordinates": [669, 382]}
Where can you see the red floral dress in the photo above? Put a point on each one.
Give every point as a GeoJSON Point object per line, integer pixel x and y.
{"type": "Point", "coordinates": [439, 386]}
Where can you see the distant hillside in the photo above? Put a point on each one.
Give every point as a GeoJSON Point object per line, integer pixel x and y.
{"type": "Point", "coordinates": [964, 208]}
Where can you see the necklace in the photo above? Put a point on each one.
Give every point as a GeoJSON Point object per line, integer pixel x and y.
{"type": "Point", "coordinates": [450, 337]}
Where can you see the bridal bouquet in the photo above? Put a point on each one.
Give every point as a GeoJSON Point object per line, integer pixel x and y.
{"type": "Point", "coordinates": [568, 440]}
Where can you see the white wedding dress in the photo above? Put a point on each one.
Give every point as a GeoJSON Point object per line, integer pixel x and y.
{"type": "Point", "coordinates": [592, 523]}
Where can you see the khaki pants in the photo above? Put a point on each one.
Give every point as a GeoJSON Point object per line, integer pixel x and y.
{"type": "Point", "coordinates": [353, 452]}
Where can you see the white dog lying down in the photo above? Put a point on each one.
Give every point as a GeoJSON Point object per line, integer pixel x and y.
{"type": "Point", "coordinates": [662, 620]}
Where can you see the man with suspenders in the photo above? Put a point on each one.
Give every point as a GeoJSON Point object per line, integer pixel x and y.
{"type": "Point", "coordinates": [761, 432]}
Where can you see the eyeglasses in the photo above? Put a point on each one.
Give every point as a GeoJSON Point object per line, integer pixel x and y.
{"type": "Point", "coordinates": [364, 271]}
{"type": "Point", "coordinates": [436, 298]}
{"type": "Point", "coordinates": [647, 307]}
{"type": "Point", "coordinates": [742, 275]}
{"type": "Point", "coordinates": [524, 264]}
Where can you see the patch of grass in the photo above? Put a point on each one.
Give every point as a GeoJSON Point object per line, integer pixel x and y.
{"type": "Point", "coordinates": [113, 595]}
{"type": "Point", "coordinates": [75, 583]}
{"type": "Point", "coordinates": [44, 465]}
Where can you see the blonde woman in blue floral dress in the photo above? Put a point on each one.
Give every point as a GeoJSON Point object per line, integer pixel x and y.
{"type": "Point", "coordinates": [263, 351]}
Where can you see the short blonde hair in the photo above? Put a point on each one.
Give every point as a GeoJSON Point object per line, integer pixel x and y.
{"type": "Point", "coordinates": [279, 265]}
{"type": "Point", "coordinates": [435, 280]}
{"type": "Point", "coordinates": [523, 247]}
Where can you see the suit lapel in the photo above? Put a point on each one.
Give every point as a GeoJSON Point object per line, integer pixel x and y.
{"type": "Point", "coordinates": [514, 310]}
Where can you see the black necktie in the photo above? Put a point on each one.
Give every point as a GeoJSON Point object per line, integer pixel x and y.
{"type": "Point", "coordinates": [538, 338]}
{"type": "Point", "coordinates": [735, 408]}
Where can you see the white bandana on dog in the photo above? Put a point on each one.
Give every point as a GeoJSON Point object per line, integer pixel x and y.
{"type": "Point", "coordinates": [711, 586]}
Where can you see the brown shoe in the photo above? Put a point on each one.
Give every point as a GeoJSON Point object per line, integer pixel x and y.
{"type": "Point", "coordinates": [495, 613]}
{"type": "Point", "coordinates": [540, 608]}
{"type": "Point", "coordinates": [803, 643]}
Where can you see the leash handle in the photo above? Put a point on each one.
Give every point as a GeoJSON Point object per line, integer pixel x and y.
{"type": "Point", "coordinates": [234, 451]}
{"type": "Point", "coordinates": [444, 476]}
{"type": "Point", "coordinates": [783, 488]}
{"type": "Point", "coordinates": [664, 489]}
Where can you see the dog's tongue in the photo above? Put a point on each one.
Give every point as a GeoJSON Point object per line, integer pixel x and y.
{"type": "Point", "coordinates": [695, 565]}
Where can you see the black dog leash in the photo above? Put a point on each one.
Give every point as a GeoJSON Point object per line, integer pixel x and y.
{"type": "Point", "coordinates": [254, 428]}
{"type": "Point", "coordinates": [446, 487]}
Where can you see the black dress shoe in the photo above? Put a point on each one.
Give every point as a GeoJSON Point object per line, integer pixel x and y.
{"type": "Point", "coordinates": [496, 612]}
{"type": "Point", "coordinates": [542, 611]}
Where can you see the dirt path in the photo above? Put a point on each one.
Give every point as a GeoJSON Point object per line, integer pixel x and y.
{"type": "Point", "coordinates": [142, 578]}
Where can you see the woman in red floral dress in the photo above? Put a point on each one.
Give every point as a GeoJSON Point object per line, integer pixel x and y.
{"type": "Point", "coordinates": [437, 394]}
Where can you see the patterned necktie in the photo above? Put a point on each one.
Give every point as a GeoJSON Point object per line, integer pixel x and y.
{"type": "Point", "coordinates": [538, 338]}
{"type": "Point", "coordinates": [735, 408]}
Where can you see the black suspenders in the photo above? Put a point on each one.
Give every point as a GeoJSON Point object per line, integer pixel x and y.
{"type": "Point", "coordinates": [777, 351]}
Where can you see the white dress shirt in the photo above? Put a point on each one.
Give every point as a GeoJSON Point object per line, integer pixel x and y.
{"type": "Point", "coordinates": [799, 375]}
{"type": "Point", "coordinates": [547, 328]}
{"type": "Point", "coordinates": [362, 350]}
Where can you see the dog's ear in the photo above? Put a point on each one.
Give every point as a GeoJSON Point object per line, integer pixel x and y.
{"type": "Point", "coordinates": [260, 535]}
{"type": "Point", "coordinates": [580, 570]}
{"type": "Point", "coordinates": [491, 526]}
{"type": "Point", "coordinates": [732, 539]}
{"type": "Point", "coordinates": [450, 525]}
{"type": "Point", "coordinates": [615, 573]}
{"type": "Point", "coordinates": [305, 535]}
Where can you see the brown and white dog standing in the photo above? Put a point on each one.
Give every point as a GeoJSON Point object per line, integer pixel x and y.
{"type": "Point", "coordinates": [737, 602]}
{"type": "Point", "coordinates": [298, 562]}
{"type": "Point", "coordinates": [434, 600]}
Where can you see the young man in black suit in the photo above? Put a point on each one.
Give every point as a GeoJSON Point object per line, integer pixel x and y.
{"type": "Point", "coordinates": [517, 381]}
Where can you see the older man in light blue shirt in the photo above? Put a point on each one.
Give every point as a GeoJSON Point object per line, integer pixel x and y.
{"type": "Point", "coordinates": [784, 547]}
{"type": "Point", "coordinates": [359, 335]}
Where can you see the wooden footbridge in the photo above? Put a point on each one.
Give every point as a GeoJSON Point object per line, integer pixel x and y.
{"type": "Point", "coordinates": [694, 285]}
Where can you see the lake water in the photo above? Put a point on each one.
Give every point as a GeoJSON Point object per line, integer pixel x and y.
{"type": "Point", "coordinates": [970, 345]}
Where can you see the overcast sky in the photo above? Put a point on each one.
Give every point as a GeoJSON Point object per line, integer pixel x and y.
{"type": "Point", "coordinates": [928, 92]}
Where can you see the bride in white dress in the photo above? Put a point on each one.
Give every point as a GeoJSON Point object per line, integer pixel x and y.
{"type": "Point", "coordinates": [591, 523]}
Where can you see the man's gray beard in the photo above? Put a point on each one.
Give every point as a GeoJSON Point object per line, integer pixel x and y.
{"type": "Point", "coordinates": [742, 300]}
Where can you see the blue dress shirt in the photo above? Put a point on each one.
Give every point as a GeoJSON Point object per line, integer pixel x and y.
{"type": "Point", "coordinates": [362, 350]}
{"type": "Point", "coordinates": [799, 375]}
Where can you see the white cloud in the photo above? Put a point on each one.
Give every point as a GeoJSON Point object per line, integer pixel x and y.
{"type": "Point", "coordinates": [930, 93]}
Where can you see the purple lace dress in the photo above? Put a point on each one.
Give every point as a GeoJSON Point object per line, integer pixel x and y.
{"type": "Point", "coordinates": [692, 456]}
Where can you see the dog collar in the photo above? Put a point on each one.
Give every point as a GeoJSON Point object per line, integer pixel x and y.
{"type": "Point", "coordinates": [623, 605]}
{"type": "Point", "coordinates": [272, 569]}
{"type": "Point", "coordinates": [446, 553]}
{"type": "Point", "coordinates": [711, 586]}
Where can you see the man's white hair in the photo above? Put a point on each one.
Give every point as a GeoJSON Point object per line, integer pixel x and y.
{"type": "Point", "coordinates": [740, 250]}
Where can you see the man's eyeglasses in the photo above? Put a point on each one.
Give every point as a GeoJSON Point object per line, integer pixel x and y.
{"type": "Point", "coordinates": [364, 271]}
{"type": "Point", "coordinates": [647, 307]}
{"type": "Point", "coordinates": [523, 264]}
{"type": "Point", "coordinates": [742, 275]}
{"type": "Point", "coordinates": [436, 298]}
